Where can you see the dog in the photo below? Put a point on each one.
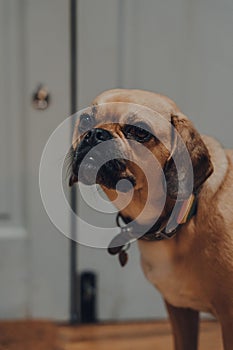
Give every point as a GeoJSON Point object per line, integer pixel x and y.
{"type": "Point", "coordinates": [193, 270]}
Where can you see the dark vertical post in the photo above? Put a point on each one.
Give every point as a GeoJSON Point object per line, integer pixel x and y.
{"type": "Point", "coordinates": [74, 315]}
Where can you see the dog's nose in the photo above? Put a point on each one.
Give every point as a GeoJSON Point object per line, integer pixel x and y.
{"type": "Point", "coordinates": [97, 135]}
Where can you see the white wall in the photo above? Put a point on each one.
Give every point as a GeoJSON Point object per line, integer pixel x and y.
{"type": "Point", "coordinates": [208, 81]}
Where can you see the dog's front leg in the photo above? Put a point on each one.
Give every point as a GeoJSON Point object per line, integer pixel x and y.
{"type": "Point", "coordinates": [227, 332]}
{"type": "Point", "coordinates": [185, 324]}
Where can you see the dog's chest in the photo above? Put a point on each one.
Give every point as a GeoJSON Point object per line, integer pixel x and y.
{"type": "Point", "coordinates": [171, 276]}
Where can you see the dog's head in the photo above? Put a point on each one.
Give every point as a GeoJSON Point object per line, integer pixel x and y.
{"type": "Point", "coordinates": [106, 149]}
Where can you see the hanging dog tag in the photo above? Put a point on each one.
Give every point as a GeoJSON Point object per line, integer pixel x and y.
{"type": "Point", "coordinates": [123, 258]}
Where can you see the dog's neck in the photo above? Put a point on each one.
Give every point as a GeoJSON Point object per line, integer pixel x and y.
{"type": "Point", "coordinates": [164, 228]}
{"type": "Point", "coordinates": [174, 215]}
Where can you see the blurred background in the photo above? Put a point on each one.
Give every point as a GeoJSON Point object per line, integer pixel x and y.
{"type": "Point", "coordinates": [181, 48]}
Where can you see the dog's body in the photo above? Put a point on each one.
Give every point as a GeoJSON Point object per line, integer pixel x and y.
{"type": "Point", "coordinates": [194, 270]}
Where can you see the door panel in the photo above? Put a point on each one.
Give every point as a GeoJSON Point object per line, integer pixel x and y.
{"type": "Point", "coordinates": [13, 230]}
{"type": "Point", "coordinates": [47, 62]}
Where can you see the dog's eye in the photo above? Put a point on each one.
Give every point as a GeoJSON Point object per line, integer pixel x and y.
{"type": "Point", "coordinates": [139, 132]}
{"type": "Point", "coordinates": [86, 122]}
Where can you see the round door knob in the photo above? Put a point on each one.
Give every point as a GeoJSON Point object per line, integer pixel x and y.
{"type": "Point", "coordinates": [41, 98]}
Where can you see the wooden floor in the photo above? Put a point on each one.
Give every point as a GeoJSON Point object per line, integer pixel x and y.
{"type": "Point", "coordinates": [39, 335]}
{"type": "Point", "coordinates": [136, 336]}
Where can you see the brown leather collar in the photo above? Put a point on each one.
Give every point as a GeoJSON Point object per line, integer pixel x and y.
{"type": "Point", "coordinates": [162, 229]}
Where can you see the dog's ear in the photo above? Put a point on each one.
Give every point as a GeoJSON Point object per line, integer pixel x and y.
{"type": "Point", "coordinates": [187, 139]}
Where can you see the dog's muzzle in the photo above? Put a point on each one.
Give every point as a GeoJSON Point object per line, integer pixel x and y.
{"type": "Point", "coordinates": [104, 165]}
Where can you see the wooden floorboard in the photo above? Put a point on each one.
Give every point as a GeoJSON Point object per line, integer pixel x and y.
{"type": "Point", "coordinates": [127, 336]}
{"type": "Point", "coordinates": [44, 335]}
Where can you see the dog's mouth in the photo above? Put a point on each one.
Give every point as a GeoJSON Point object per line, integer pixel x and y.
{"type": "Point", "coordinates": [89, 168]}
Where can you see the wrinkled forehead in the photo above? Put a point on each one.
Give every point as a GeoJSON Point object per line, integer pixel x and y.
{"type": "Point", "coordinates": [125, 113]}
